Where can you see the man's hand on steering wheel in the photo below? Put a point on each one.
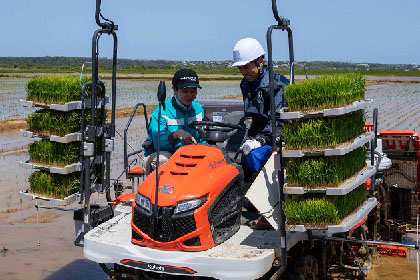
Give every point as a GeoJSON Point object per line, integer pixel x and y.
{"type": "Point", "coordinates": [184, 136]}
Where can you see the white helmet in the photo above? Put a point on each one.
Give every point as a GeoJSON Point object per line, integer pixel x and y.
{"type": "Point", "coordinates": [246, 50]}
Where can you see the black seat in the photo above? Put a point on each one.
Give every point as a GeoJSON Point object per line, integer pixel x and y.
{"type": "Point", "coordinates": [233, 144]}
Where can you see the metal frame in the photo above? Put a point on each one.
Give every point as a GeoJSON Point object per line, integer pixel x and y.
{"type": "Point", "coordinates": [282, 24]}
{"type": "Point", "coordinates": [126, 154]}
{"type": "Point", "coordinates": [97, 136]}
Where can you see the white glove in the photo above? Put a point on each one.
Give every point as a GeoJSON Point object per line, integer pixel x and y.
{"type": "Point", "coordinates": [250, 145]}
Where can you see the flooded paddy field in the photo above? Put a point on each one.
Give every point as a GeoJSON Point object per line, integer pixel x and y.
{"type": "Point", "coordinates": [129, 93]}
{"type": "Point", "coordinates": [40, 245]}
{"type": "Point", "coordinates": [398, 105]}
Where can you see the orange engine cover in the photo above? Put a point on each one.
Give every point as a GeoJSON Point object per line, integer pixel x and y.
{"type": "Point", "coordinates": [193, 172]}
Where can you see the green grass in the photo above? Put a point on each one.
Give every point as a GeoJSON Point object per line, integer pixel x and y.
{"type": "Point", "coordinates": [49, 122]}
{"type": "Point", "coordinates": [326, 92]}
{"type": "Point", "coordinates": [59, 89]}
{"type": "Point", "coordinates": [324, 171]}
{"type": "Point", "coordinates": [54, 185]}
{"type": "Point", "coordinates": [324, 132]}
{"type": "Point", "coordinates": [53, 153]}
{"type": "Point", "coordinates": [320, 210]}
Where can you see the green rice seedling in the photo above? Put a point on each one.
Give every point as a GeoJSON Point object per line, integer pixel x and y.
{"type": "Point", "coordinates": [324, 132]}
{"type": "Point", "coordinates": [312, 172]}
{"type": "Point", "coordinates": [326, 92]}
{"type": "Point", "coordinates": [54, 185]}
{"type": "Point", "coordinates": [49, 122]}
{"type": "Point", "coordinates": [57, 89]}
{"type": "Point", "coordinates": [320, 210]}
{"type": "Point", "coordinates": [54, 153]}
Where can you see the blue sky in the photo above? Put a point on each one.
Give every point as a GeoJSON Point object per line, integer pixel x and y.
{"type": "Point", "coordinates": [334, 30]}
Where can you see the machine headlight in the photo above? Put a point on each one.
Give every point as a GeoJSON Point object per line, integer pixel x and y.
{"type": "Point", "coordinates": [184, 206]}
{"type": "Point", "coordinates": [144, 202]}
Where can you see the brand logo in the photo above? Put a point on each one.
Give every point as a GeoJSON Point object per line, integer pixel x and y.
{"type": "Point", "coordinates": [158, 267]}
{"type": "Point", "coordinates": [166, 189]}
{"type": "Point", "coordinates": [216, 163]}
{"type": "Point", "coordinates": [194, 79]}
{"type": "Point", "coordinates": [155, 267]}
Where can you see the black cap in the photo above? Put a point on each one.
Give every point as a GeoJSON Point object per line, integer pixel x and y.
{"type": "Point", "coordinates": [185, 78]}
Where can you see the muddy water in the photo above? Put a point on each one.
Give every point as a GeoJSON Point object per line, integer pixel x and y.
{"type": "Point", "coordinates": [398, 105]}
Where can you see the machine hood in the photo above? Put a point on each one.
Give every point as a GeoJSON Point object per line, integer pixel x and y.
{"type": "Point", "coordinates": [192, 172]}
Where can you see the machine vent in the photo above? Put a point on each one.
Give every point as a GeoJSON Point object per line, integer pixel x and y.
{"type": "Point", "coordinates": [225, 213]}
{"type": "Point", "coordinates": [193, 157]}
{"type": "Point", "coordinates": [173, 172]}
{"type": "Point", "coordinates": [164, 228]}
{"type": "Point", "coordinates": [185, 164]}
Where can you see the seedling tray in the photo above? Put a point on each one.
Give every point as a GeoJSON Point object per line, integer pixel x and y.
{"type": "Point", "coordinates": [355, 106]}
{"type": "Point", "coordinates": [66, 107]}
{"type": "Point", "coordinates": [71, 137]}
{"type": "Point", "coordinates": [344, 188]}
{"type": "Point", "coordinates": [26, 195]}
{"type": "Point", "coordinates": [52, 169]}
{"type": "Point", "coordinates": [339, 150]}
{"type": "Point", "coordinates": [345, 225]}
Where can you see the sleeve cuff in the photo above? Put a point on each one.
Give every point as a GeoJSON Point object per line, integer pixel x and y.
{"type": "Point", "coordinates": [261, 140]}
{"type": "Point", "coordinates": [171, 139]}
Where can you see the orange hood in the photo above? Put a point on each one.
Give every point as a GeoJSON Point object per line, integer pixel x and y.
{"type": "Point", "coordinates": [192, 172]}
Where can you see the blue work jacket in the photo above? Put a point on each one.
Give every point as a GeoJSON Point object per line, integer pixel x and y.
{"type": "Point", "coordinates": [256, 96]}
{"type": "Point", "coordinates": [175, 116]}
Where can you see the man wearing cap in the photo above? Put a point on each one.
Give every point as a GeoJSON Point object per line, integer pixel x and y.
{"type": "Point", "coordinates": [248, 56]}
{"type": "Point", "coordinates": [179, 112]}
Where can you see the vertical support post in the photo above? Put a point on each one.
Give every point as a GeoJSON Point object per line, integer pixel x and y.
{"type": "Point", "coordinates": [101, 130]}
{"type": "Point", "coordinates": [417, 251]}
{"type": "Point", "coordinates": [373, 190]}
{"type": "Point", "coordinates": [276, 136]}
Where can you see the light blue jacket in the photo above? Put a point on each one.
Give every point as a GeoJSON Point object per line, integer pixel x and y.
{"type": "Point", "coordinates": [175, 116]}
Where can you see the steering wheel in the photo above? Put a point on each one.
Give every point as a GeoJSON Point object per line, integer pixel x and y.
{"type": "Point", "coordinates": [215, 131]}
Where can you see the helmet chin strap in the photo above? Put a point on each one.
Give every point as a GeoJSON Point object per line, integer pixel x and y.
{"type": "Point", "coordinates": [261, 70]}
{"type": "Point", "coordinates": [260, 66]}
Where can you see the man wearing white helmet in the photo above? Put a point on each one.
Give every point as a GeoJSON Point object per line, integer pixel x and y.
{"type": "Point", "coordinates": [248, 56]}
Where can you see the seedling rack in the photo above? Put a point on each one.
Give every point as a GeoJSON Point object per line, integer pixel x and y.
{"type": "Point", "coordinates": [329, 112]}
{"type": "Point", "coordinates": [342, 189]}
{"type": "Point", "coordinates": [66, 107]}
{"type": "Point", "coordinates": [98, 151]}
{"type": "Point", "coordinates": [26, 195]}
{"type": "Point", "coordinates": [95, 136]}
{"type": "Point", "coordinates": [341, 149]}
{"type": "Point", "coordinates": [345, 225]}
{"type": "Point", "coordinates": [338, 150]}
{"type": "Point", "coordinates": [65, 170]}
{"type": "Point", "coordinates": [68, 138]}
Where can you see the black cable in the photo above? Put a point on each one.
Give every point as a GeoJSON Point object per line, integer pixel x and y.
{"type": "Point", "coordinates": [107, 20]}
